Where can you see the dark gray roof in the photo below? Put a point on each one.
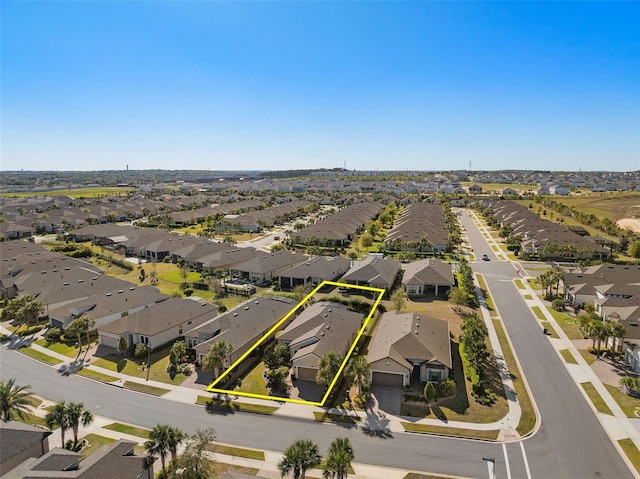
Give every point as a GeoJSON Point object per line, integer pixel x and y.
{"type": "Point", "coordinates": [431, 271]}
{"type": "Point", "coordinates": [18, 436]}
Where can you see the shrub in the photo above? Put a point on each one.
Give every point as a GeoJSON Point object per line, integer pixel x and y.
{"type": "Point", "coordinates": [557, 304]}
{"type": "Point", "coordinates": [188, 292]}
{"type": "Point", "coordinates": [140, 351]}
{"type": "Point", "coordinates": [53, 335]}
{"type": "Point", "coordinates": [446, 388]}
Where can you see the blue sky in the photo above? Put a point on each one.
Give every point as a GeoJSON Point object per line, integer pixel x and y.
{"type": "Point", "coordinates": [282, 85]}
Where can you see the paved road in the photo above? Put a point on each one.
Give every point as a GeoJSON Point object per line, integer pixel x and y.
{"type": "Point", "coordinates": [571, 439]}
{"type": "Point", "coordinates": [570, 444]}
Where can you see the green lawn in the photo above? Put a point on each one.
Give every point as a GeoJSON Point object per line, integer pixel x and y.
{"type": "Point", "coordinates": [631, 451]}
{"type": "Point", "coordinates": [45, 358]}
{"type": "Point", "coordinates": [567, 356]}
{"type": "Point", "coordinates": [550, 329]}
{"type": "Point", "coordinates": [627, 403]}
{"type": "Point", "coordinates": [60, 348]}
{"type": "Point", "coordinates": [127, 429]}
{"type": "Point", "coordinates": [133, 366]}
{"type": "Point", "coordinates": [595, 398]}
{"type": "Point", "coordinates": [338, 418]}
{"type": "Point", "coordinates": [95, 443]}
{"type": "Point", "coordinates": [538, 312]}
{"type": "Point", "coordinates": [487, 296]}
{"type": "Point", "coordinates": [32, 419]}
{"type": "Point", "coordinates": [235, 406]}
{"type": "Point", "coordinates": [451, 431]}
{"type": "Point", "coordinates": [236, 451]}
{"type": "Point", "coordinates": [96, 375]}
{"type": "Point", "coordinates": [567, 323]}
{"type": "Point", "coordinates": [527, 296]}
{"type": "Point", "coordinates": [519, 284]}
{"type": "Point", "coordinates": [145, 388]}
{"type": "Point", "coordinates": [254, 382]}
{"type": "Point", "coordinates": [219, 468]}
{"type": "Point", "coordinates": [587, 356]}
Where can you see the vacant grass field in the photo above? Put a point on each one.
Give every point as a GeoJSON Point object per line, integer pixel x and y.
{"type": "Point", "coordinates": [75, 192]}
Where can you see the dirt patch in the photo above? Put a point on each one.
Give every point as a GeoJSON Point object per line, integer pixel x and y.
{"type": "Point", "coordinates": [632, 223]}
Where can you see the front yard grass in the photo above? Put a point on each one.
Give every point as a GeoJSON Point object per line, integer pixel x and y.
{"type": "Point", "coordinates": [219, 468]}
{"type": "Point", "coordinates": [40, 356]}
{"type": "Point", "coordinates": [254, 382]}
{"type": "Point", "coordinates": [60, 348]}
{"type": "Point", "coordinates": [588, 356]}
{"type": "Point", "coordinates": [627, 403]}
{"type": "Point", "coordinates": [127, 429]}
{"type": "Point", "coordinates": [568, 357]}
{"type": "Point", "coordinates": [451, 431]}
{"type": "Point", "coordinates": [235, 451]}
{"type": "Point", "coordinates": [145, 388]}
{"type": "Point", "coordinates": [337, 418]}
{"type": "Point", "coordinates": [133, 366]}
{"type": "Point", "coordinates": [631, 451]}
{"type": "Point", "coordinates": [595, 398]}
{"type": "Point", "coordinates": [95, 442]}
{"type": "Point", "coordinates": [32, 419]}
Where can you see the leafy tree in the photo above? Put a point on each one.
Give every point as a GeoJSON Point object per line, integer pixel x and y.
{"type": "Point", "coordinates": [634, 249]}
{"type": "Point", "coordinates": [302, 455]}
{"type": "Point", "coordinates": [58, 417]}
{"type": "Point", "coordinates": [76, 416]}
{"type": "Point", "coordinates": [277, 379]}
{"type": "Point", "coordinates": [277, 356]}
{"type": "Point", "coordinates": [194, 463]}
{"type": "Point", "coordinates": [178, 352]}
{"type": "Point", "coordinates": [141, 350]}
{"type": "Point", "coordinates": [123, 345]}
{"type": "Point", "coordinates": [457, 296]}
{"type": "Point", "coordinates": [366, 240]}
{"type": "Point", "coordinates": [159, 443]}
{"type": "Point", "coordinates": [399, 299]}
{"type": "Point", "coordinates": [339, 458]}
{"type": "Point", "coordinates": [430, 392]}
{"type": "Point", "coordinates": [328, 367]}
{"type": "Point", "coordinates": [23, 310]}
{"type": "Point", "coordinates": [358, 372]}
{"type": "Point", "coordinates": [14, 400]}
{"type": "Point", "coordinates": [300, 292]}
{"type": "Point", "coordinates": [214, 360]}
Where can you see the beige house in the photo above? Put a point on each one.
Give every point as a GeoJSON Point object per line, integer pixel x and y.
{"type": "Point", "coordinates": [409, 346]}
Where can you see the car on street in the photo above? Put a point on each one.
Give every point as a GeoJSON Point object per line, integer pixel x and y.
{"type": "Point", "coordinates": [485, 257]}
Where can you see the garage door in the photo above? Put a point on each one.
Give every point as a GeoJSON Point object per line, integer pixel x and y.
{"type": "Point", "coordinates": [308, 374]}
{"type": "Point", "coordinates": [387, 379]}
{"type": "Point", "coordinates": [109, 341]}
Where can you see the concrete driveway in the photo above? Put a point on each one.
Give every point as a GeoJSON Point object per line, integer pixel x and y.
{"type": "Point", "coordinates": [387, 398]}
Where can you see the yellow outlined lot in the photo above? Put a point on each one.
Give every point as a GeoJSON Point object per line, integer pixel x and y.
{"type": "Point", "coordinates": [212, 387]}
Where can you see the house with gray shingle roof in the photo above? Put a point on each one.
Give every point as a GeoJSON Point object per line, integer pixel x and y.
{"type": "Point", "coordinates": [314, 271]}
{"type": "Point", "coordinates": [431, 274]}
{"type": "Point", "coordinates": [408, 346]}
{"type": "Point", "coordinates": [20, 442]}
{"type": "Point", "coordinates": [375, 271]}
{"type": "Point", "coordinates": [320, 328]}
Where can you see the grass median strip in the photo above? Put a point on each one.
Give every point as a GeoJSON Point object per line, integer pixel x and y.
{"type": "Point", "coordinates": [538, 312]}
{"type": "Point", "coordinates": [631, 451]}
{"type": "Point", "coordinates": [528, 413]}
{"type": "Point", "coordinates": [232, 406]}
{"type": "Point", "coordinates": [415, 475]}
{"type": "Point", "coordinates": [491, 434]}
{"type": "Point", "coordinates": [567, 356]}
{"type": "Point", "coordinates": [88, 373]}
{"type": "Point", "coordinates": [40, 356]}
{"type": "Point", "coordinates": [145, 388]}
{"type": "Point", "coordinates": [339, 418]}
{"type": "Point", "coordinates": [595, 398]}
{"type": "Point", "coordinates": [236, 451]}
{"type": "Point", "coordinates": [519, 284]}
{"type": "Point", "coordinates": [127, 429]}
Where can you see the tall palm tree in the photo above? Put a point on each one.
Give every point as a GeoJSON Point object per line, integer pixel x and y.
{"type": "Point", "coordinates": [328, 367]}
{"type": "Point", "coordinates": [358, 372]}
{"type": "Point", "coordinates": [338, 459]}
{"type": "Point", "coordinates": [159, 443]}
{"type": "Point", "coordinates": [58, 417]}
{"type": "Point", "coordinates": [303, 454]}
{"type": "Point", "coordinates": [77, 415]}
{"type": "Point", "coordinates": [618, 332]}
{"type": "Point", "coordinates": [174, 439]}
{"type": "Point", "coordinates": [214, 360]}
{"type": "Point", "coordinates": [14, 400]}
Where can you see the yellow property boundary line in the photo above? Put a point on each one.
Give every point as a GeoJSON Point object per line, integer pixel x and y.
{"type": "Point", "coordinates": [213, 389]}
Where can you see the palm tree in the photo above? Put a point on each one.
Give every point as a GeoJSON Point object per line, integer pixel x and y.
{"type": "Point", "coordinates": [58, 417]}
{"type": "Point", "coordinates": [618, 332]}
{"type": "Point", "coordinates": [214, 359]}
{"type": "Point", "coordinates": [358, 372]}
{"type": "Point", "coordinates": [328, 367]}
{"type": "Point", "coordinates": [338, 459]}
{"type": "Point", "coordinates": [175, 438]}
{"type": "Point", "coordinates": [76, 416]}
{"type": "Point", "coordinates": [159, 443]}
{"type": "Point", "coordinates": [303, 454]}
{"type": "Point", "coordinates": [14, 400]}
